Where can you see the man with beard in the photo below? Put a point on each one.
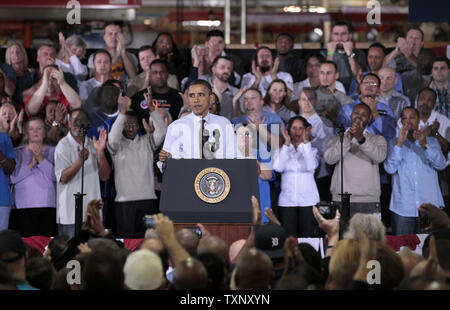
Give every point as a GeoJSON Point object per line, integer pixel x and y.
{"type": "Point", "coordinates": [264, 71]}
{"type": "Point", "coordinates": [159, 93]}
{"type": "Point", "coordinates": [68, 161]}
{"type": "Point", "coordinates": [52, 86]}
{"type": "Point", "coordinates": [363, 151]}
{"type": "Point", "coordinates": [413, 159]}
{"type": "Point", "coordinates": [340, 50]}
{"type": "Point", "coordinates": [289, 61]}
{"type": "Point", "coordinates": [221, 69]}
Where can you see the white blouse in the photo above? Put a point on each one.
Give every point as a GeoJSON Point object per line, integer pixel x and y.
{"type": "Point", "coordinates": [298, 188]}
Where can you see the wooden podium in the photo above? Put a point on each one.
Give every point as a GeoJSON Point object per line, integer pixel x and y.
{"type": "Point", "coordinates": [216, 193]}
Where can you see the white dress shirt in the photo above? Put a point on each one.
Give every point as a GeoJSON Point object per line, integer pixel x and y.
{"type": "Point", "coordinates": [183, 137]}
{"type": "Point", "coordinates": [74, 66]}
{"type": "Point", "coordinates": [298, 188]}
{"type": "Point", "coordinates": [65, 155]}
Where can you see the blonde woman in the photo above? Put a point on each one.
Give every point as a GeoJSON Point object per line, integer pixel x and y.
{"type": "Point", "coordinates": [16, 56]}
{"type": "Point", "coordinates": [11, 122]}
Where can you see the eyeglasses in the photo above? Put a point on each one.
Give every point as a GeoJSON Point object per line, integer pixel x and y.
{"type": "Point", "coordinates": [131, 125]}
{"type": "Point", "coordinates": [368, 83]}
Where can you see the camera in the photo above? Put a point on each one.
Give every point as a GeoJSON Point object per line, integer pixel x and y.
{"type": "Point", "coordinates": [149, 221]}
{"type": "Point", "coordinates": [327, 209]}
{"type": "Point", "coordinates": [197, 231]}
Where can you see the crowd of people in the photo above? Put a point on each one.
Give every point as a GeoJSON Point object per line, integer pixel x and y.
{"type": "Point", "coordinates": [116, 118]}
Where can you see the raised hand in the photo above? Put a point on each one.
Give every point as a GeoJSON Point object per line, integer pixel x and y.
{"type": "Point", "coordinates": [271, 216]}
{"type": "Point", "coordinates": [256, 213]}
{"type": "Point", "coordinates": [148, 126]}
{"type": "Point", "coordinates": [330, 227]}
{"type": "Point", "coordinates": [37, 149]}
{"type": "Point", "coordinates": [58, 75]}
{"type": "Point", "coordinates": [60, 113]}
{"type": "Point", "coordinates": [357, 130]}
{"type": "Point", "coordinates": [20, 120]}
{"type": "Point", "coordinates": [256, 120]}
{"type": "Point", "coordinates": [86, 153]}
{"type": "Point", "coordinates": [256, 71]}
{"type": "Point", "coordinates": [100, 144]}
{"type": "Point", "coordinates": [307, 135]}
{"type": "Point", "coordinates": [93, 222]}
{"type": "Point", "coordinates": [120, 47]}
{"type": "Point", "coordinates": [292, 255]}
{"type": "Point", "coordinates": [420, 136]}
{"type": "Point", "coordinates": [403, 134]}
{"type": "Point", "coordinates": [274, 70]}
{"type": "Point", "coordinates": [148, 99]}
{"type": "Point", "coordinates": [124, 104]}
{"type": "Point", "coordinates": [348, 47]}
{"type": "Point", "coordinates": [438, 218]}
{"type": "Point", "coordinates": [331, 46]}
{"type": "Point", "coordinates": [13, 124]}
{"type": "Point", "coordinates": [286, 136]}
{"type": "Point", "coordinates": [435, 127]}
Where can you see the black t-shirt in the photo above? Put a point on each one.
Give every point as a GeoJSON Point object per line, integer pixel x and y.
{"type": "Point", "coordinates": [170, 101]}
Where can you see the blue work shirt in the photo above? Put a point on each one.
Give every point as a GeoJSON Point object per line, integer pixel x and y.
{"type": "Point", "coordinates": [414, 176]}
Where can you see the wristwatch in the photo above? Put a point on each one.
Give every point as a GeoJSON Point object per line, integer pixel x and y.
{"type": "Point", "coordinates": [351, 55]}
{"type": "Point", "coordinates": [55, 124]}
{"type": "Point", "coordinates": [426, 146]}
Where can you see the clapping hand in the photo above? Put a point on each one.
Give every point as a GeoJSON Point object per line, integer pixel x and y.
{"type": "Point", "coordinates": [348, 47]}
{"type": "Point", "coordinates": [93, 222]}
{"type": "Point", "coordinates": [403, 134]}
{"type": "Point", "coordinates": [100, 144]}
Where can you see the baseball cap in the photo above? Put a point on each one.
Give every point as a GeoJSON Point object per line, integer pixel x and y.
{"type": "Point", "coordinates": [143, 270]}
{"type": "Point", "coordinates": [12, 247]}
{"type": "Point", "coordinates": [270, 238]}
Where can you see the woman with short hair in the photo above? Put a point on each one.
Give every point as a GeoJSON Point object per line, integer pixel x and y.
{"type": "Point", "coordinates": [34, 184]}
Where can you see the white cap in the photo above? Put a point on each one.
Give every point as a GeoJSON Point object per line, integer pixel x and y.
{"type": "Point", "coordinates": [143, 270]}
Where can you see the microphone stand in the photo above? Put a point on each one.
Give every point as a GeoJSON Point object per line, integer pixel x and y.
{"type": "Point", "coordinates": [345, 197]}
{"type": "Point", "coordinates": [79, 195]}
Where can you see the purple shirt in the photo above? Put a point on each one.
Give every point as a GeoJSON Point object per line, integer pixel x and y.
{"type": "Point", "coordinates": [35, 188]}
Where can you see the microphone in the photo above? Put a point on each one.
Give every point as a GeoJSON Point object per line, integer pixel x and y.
{"type": "Point", "coordinates": [382, 112]}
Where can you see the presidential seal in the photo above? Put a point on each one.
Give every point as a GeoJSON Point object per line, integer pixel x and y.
{"type": "Point", "coordinates": [212, 185]}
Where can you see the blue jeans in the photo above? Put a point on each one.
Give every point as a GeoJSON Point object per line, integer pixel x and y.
{"type": "Point", "coordinates": [402, 225]}
{"type": "Point", "coordinates": [4, 217]}
{"type": "Point", "coordinates": [66, 230]}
